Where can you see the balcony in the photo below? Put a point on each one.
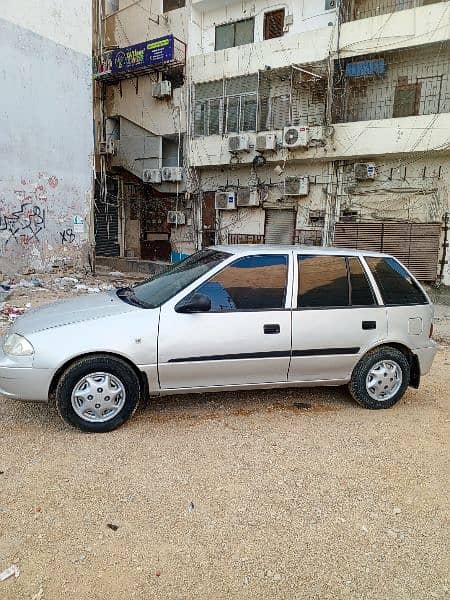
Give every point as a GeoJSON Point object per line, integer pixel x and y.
{"type": "Point", "coordinates": [163, 54]}
{"type": "Point", "coordinates": [354, 10]}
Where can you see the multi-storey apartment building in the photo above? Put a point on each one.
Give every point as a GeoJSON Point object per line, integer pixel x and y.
{"type": "Point", "coordinates": [301, 121]}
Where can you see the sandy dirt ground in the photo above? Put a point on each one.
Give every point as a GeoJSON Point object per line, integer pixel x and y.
{"type": "Point", "coordinates": [225, 496]}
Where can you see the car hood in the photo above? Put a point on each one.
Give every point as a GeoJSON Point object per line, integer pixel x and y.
{"type": "Point", "coordinates": [73, 310]}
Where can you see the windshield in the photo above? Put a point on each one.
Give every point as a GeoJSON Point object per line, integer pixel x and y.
{"type": "Point", "coordinates": [164, 286]}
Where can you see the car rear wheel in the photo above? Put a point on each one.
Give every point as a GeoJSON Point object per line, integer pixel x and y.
{"type": "Point", "coordinates": [97, 393]}
{"type": "Point", "coordinates": [381, 378]}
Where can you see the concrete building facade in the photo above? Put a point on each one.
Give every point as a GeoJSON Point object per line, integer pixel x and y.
{"type": "Point", "coordinates": [304, 122]}
{"type": "Point", "coordinates": [46, 141]}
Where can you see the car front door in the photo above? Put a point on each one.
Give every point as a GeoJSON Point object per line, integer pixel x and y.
{"type": "Point", "coordinates": [337, 317]}
{"type": "Point", "coordinates": [245, 338]}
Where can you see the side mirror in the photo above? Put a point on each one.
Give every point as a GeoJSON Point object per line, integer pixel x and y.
{"type": "Point", "coordinates": [198, 303]}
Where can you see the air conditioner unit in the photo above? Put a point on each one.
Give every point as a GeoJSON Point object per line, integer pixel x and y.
{"type": "Point", "coordinates": [225, 201]}
{"type": "Point", "coordinates": [151, 176]}
{"type": "Point", "coordinates": [163, 89]}
{"type": "Point", "coordinates": [107, 147]}
{"type": "Point", "coordinates": [266, 142]}
{"type": "Point", "coordinates": [296, 186]}
{"type": "Point", "coordinates": [175, 217]}
{"type": "Point", "coordinates": [296, 137]}
{"type": "Point", "coordinates": [364, 171]}
{"type": "Point", "coordinates": [238, 143]}
{"type": "Point", "coordinates": [248, 197]}
{"type": "Point", "coordinates": [172, 174]}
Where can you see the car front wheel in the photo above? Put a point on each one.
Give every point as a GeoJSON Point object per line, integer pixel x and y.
{"type": "Point", "coordinates": [381, 378]}
{"type": "Point", "coordinates": [97, 393]}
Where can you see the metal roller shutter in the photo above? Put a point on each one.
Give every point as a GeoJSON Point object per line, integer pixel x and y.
{"type": "Point", "coordinates": [280, 226]}
{"type": "Point", "coordinates": [415, 244]}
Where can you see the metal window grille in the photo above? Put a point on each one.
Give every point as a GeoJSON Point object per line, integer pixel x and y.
{"type": "Point", "coordinates": [353, 10]}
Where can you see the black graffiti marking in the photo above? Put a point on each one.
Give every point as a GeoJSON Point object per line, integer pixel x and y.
{"type": "Point", "coordinates": [24, 225]}
{"type": "Point", "coordinates": [67, 236]}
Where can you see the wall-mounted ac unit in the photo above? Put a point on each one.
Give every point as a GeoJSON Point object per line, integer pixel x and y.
{"type": "Point", "coordinates": [238, 143]}
{"type": "Point", "coordinates": [172, 174]}
{"type": "Point", "coordinates": [175, 217]}
{"type": "Point", "coordinates": [266, 142]}
{"type": "Point", "coordinates": [225, 200]}
{"type": "Point", "coordinates": [296, 186]}
{"type": "Point", "coordinates": [107, 147]}
{"type": "Point", "coordinates": [248, 197]}
{"type": "Point", "coordinates": [296, 137]}
{"type": "Point", "coordinates": [364, 171]}
{"type": "Point", "coordinates": [151, 176]}
{"type": "Point", "coordinates": [163, 89]}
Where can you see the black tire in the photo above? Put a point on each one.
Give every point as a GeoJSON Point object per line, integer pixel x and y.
{"type": "Point", "coordinates": [357, 385]}
{"type": "Point", "coordinates": [83, 367]}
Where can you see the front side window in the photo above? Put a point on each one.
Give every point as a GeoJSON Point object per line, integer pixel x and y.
{"type": "Point", "coordinates": [395, 284]}
{"type": "Point", "coordinates": [249, 283]}
{"type": "Point", "coordinates": [235, 34]}
{"type": "Point", "coordinates": [332, 282]}
{"type": "Point", "coordinates": [164, 286]}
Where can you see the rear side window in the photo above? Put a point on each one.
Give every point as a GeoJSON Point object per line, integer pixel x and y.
{"type": "Point", "coordinates": [322, 281]}
{"type": "Point", "coordinates": [361, 292]}
{"type": "Point", "coordinates": [332, 281]}
{"type": "Point", "coordinates": [394, 282]}
{"type": "Point", "coordinates": [249, 283]}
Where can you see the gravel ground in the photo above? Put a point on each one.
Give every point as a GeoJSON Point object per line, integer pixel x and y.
{"type": "Point", "coordinates": [231, 496]}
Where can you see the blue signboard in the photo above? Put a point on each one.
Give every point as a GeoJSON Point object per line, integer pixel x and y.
{"type": "Point", "coordinates": [145, 54]}
{"type": "Point", "coordinates": [364, 68]}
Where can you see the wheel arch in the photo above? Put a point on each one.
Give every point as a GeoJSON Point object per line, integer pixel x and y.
{"type": "Point", "coordinates": [143, 380]}
{"type": "Point", "coordinates": [413, 359]}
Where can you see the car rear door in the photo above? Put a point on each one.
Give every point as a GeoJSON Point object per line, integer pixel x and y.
{"type": "Point", "coordinates": [246, 336]}
{"type": "Point", "coordinates": [336, 317]}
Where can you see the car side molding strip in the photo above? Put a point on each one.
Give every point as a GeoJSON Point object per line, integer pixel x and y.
{"type": "Point", "coordinates": [273, 354]}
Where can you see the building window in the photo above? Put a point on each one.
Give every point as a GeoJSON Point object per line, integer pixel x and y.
{"type": "Point", "coordinates": [169, 5]}
{"type": "Point", "coordinates": [406, 99]}
{"type": "Point", "coordinates": [274, 24]}
{"type": "Point", "coordinates": [235, 34]}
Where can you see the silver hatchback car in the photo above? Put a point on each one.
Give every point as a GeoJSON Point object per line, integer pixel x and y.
{"type": "Point", "coordinates": [227, 318]}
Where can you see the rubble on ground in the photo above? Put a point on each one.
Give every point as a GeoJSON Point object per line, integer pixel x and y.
{"type": "Point", "coordinates": [21, 293]}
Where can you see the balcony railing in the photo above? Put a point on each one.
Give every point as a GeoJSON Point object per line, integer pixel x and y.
{"type": "Point", "coordinates": [352, 10]}
{"type": "Point", "coordinates": [396, 84]}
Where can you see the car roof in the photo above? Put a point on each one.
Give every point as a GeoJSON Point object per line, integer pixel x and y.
{"type": "Point", "coordinates": [279, 248]}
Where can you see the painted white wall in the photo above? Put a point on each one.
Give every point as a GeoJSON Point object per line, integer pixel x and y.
{"type": "Point", "coordinates": [46, 140]}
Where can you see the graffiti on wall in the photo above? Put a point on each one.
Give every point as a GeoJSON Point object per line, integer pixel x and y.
{"type": "Point", "coordinates": [22, 225]}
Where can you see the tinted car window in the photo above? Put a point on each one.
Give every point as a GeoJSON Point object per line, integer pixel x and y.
{"type": "Point", "coordinates": [249, 283]}
{"type": "Point", "coordinates": [361, 292]}
{"type": "Point", "coordinates": [322, 281]}
{"type": "Point", "coordinates": [165, 285]}
{"type": "Point", "coordinates": [395, 284]}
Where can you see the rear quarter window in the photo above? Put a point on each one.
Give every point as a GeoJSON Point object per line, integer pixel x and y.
{"type": "Point", "coordinates": [395, 284]}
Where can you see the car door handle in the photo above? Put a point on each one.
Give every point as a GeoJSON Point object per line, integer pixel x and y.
{"type": "Point", "coordinates": [369, 324]}
{"type": "Point", "coordinates": [271, 329]}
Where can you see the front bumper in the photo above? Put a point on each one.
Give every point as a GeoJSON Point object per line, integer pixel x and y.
{"type": "Point", "coordinates": [426, 356]}
{"type": "Point", "coordinates": [18, 378]}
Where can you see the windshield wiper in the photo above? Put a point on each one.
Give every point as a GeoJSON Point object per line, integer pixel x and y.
{"type": "Point", "coordinates": [127, 295]}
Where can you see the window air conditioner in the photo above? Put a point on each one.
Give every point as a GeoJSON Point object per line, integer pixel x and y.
{"type": "Point", "coordinates": [225, 201]}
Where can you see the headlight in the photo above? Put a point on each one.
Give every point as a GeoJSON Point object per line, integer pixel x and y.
{"type": "Point", "coordinates": [17, 345]}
